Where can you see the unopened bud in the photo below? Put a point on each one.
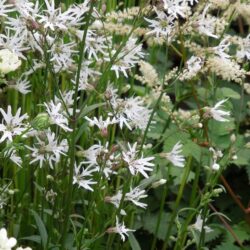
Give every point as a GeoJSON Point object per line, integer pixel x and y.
{"type": "Point", "coordinates": [104, 132]}
{"type": "Point", "coordinates": [233, 138]}
{"type": "Point", "coordinates": [41, 121]}
{"type": "Point", "coordinates": [158, 183]}
{"type": "Point", "coordinates": [234, 157]}
{"type": "Point", "coordinates": [215, 166]}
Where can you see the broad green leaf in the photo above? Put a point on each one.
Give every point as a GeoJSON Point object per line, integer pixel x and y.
{"type": "Point", "coordinates": [191, 148]}
{"type": "Point", "coordinates": [150, 224]}
{"type": "Point", "coordinates": [133, 242]}
{"type": "Point", "coordinates": [41, 228]}
{"type": "Point", "coordinates": [228, 92]}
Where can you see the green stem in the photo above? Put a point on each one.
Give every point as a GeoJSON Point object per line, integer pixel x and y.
{"type": "Point", "coordinates": [177, 202]}
{"type": "Point", "coordinates": [68, 196]}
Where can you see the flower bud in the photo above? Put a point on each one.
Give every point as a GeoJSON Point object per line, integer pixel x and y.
{"type": "Point", "coordinates": [41, 121]}
{"type": "Point", "coordinates": [215, 166]}
{"type": "Point", "coordinates": [158, 183]}
{"type": "Point", "coordinates": [233, 138]}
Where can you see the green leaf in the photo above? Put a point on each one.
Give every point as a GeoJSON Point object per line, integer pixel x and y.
{"type": "Point", "coordinates": [133, 242]}
{"type": "Point", "coordinates": [90, 108]}
{"type": "Point", "coordinates": [41, 228]}
{"type": "Point", "coordinates": [34, 238]}
{"type": "Point", "coordinates": [227, 92]}
{"type": "Point", "coordinates": [191, 148]}
{"type": "Point", "coordinates": [150, 222]}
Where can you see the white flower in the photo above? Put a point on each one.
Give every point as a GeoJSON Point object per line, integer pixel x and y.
{"type": "Point", "coordinates": [127, 58]}
{"type": "Point", "coordinates": [194, 64]}
{"type": "Point", "coordinates": [115, 199]}
{"type": "Point", "coordinates": [86, 74]}
{"type": "Point", "coordinates": [100, 123]}
{"type": "Point", "coordinates": [244, 48]}
{"type": "Point", "coordinates": [22, 85]}
{"type": "Point", "coordinates": [120, 229]}
{"type": "Point", "coordinates": [222, 48]}
{"type": "Point", "coordinates": [9, 61]}
{"type": "Point", "coordinates": [198, 225]}
{"type": "Point", "coordinates": [54, 18]}
{"type": "Point", "coordinates": [130, 111]}
{"type": "Point", "coordinates": [176, 7]}
{"type": "Point", "coordinates": [175, 155]}
{"type": "Point", "coordinates": [135, 195]}
{"type": "Point", "coordinates": [206, 24]}
{"type": "Point", "coordinates": [216, 113]}
{"type": "Point", "coordinates": [68, 101]}
{"type": "Point", "coordinates": [5, 8]}
{"type": "Point", "coordinates": [135, 164]}
{"type": "Point", "coordinates": [107, 159]}
{"type": "Point", "coordinates": [61, 55]}
{"type": "Point", "coordinates": [14, 43]}
{"type": "Point", "coordinates": [48, 149]}
{"type": "Point", "coordinates": [5, 242]}
{"type": "Point", "coordinates": [12, 155]}
{"type": "Point", "coordinates": [12, 125]}
{"type": "Point", "coordinates": [55, 113]}
{"type": "Point", "coordinates": [81, 174]}
{"type": "Point", "coordinates": [162, 25]}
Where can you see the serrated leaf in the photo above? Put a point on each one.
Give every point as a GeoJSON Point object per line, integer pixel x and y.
{"type": "Point", "coordinates": [133, 242]}
{"type": "Point", "coordinates": [150, 223]}
{"type": "Point", "coordinates": [41, 228]}
{"type": "Point", "coordinates": [177, 174]}
{"type": "Point", "coordinates": [191, 148]}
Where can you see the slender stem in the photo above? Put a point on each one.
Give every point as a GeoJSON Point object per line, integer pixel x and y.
{"type": "Point", "coordinates": [177, 202]}
{"type": "Point", "coordinates": [74, 131]}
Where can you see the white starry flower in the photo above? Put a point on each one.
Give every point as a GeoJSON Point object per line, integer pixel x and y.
{"type": "Point", "coordinates": [52, 18]}
{"type": "Point", "coordinates": [48, 150]}
{"type": "Point", "coordinates": [127, 58]}
{"type": "Point", "coordinates": [176, 7]}
{"type": "Point", "coordinates": [22, 85]}
{"type": "Point", "coordinates": [56, 115]}
{"type": "Point", "coordinates": [12, 125]}
{"type": "Point", "coordinates": [61, 55]}
{"type": "Point", "coordinates": [5, 8]}
{"type": "Point", "coordinates": [120, 229]}
{"type": "Point", "coordinates": [80, 175]}
{"type": "Point", "coordinates": [115, 199]}
{"type": "Point", "coordinates": [198, 225]}
{"type": "Point", "coordinates": [5, 242]}
{"type": "Point", "coordinates": [206, 24]}
{"type": "Point", "coordinates": [135, 195]}
{"type": "Point", "coordinates": [136, 164]}
{"type": "Point", "coordinates": [130, 112]}
{"type": "Point", "coordinates": [216, 113]}
{"type": "Point", "coordinates": [100, 123]}
{"type": "Point", "coordinates": [11, 154]}
{"type": "Point", "coordinates": [244, 48]}
{"type": "Point", "coordinates": [175, 156]}
{"type": "Point", "coordinates": [14, 43]}
{"type": "Point", "coordinates": [222, 48]}
{"type": "Point", "coordinates": [9, 61]}
{"type": "Point", "coordinates": [161, 25]}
